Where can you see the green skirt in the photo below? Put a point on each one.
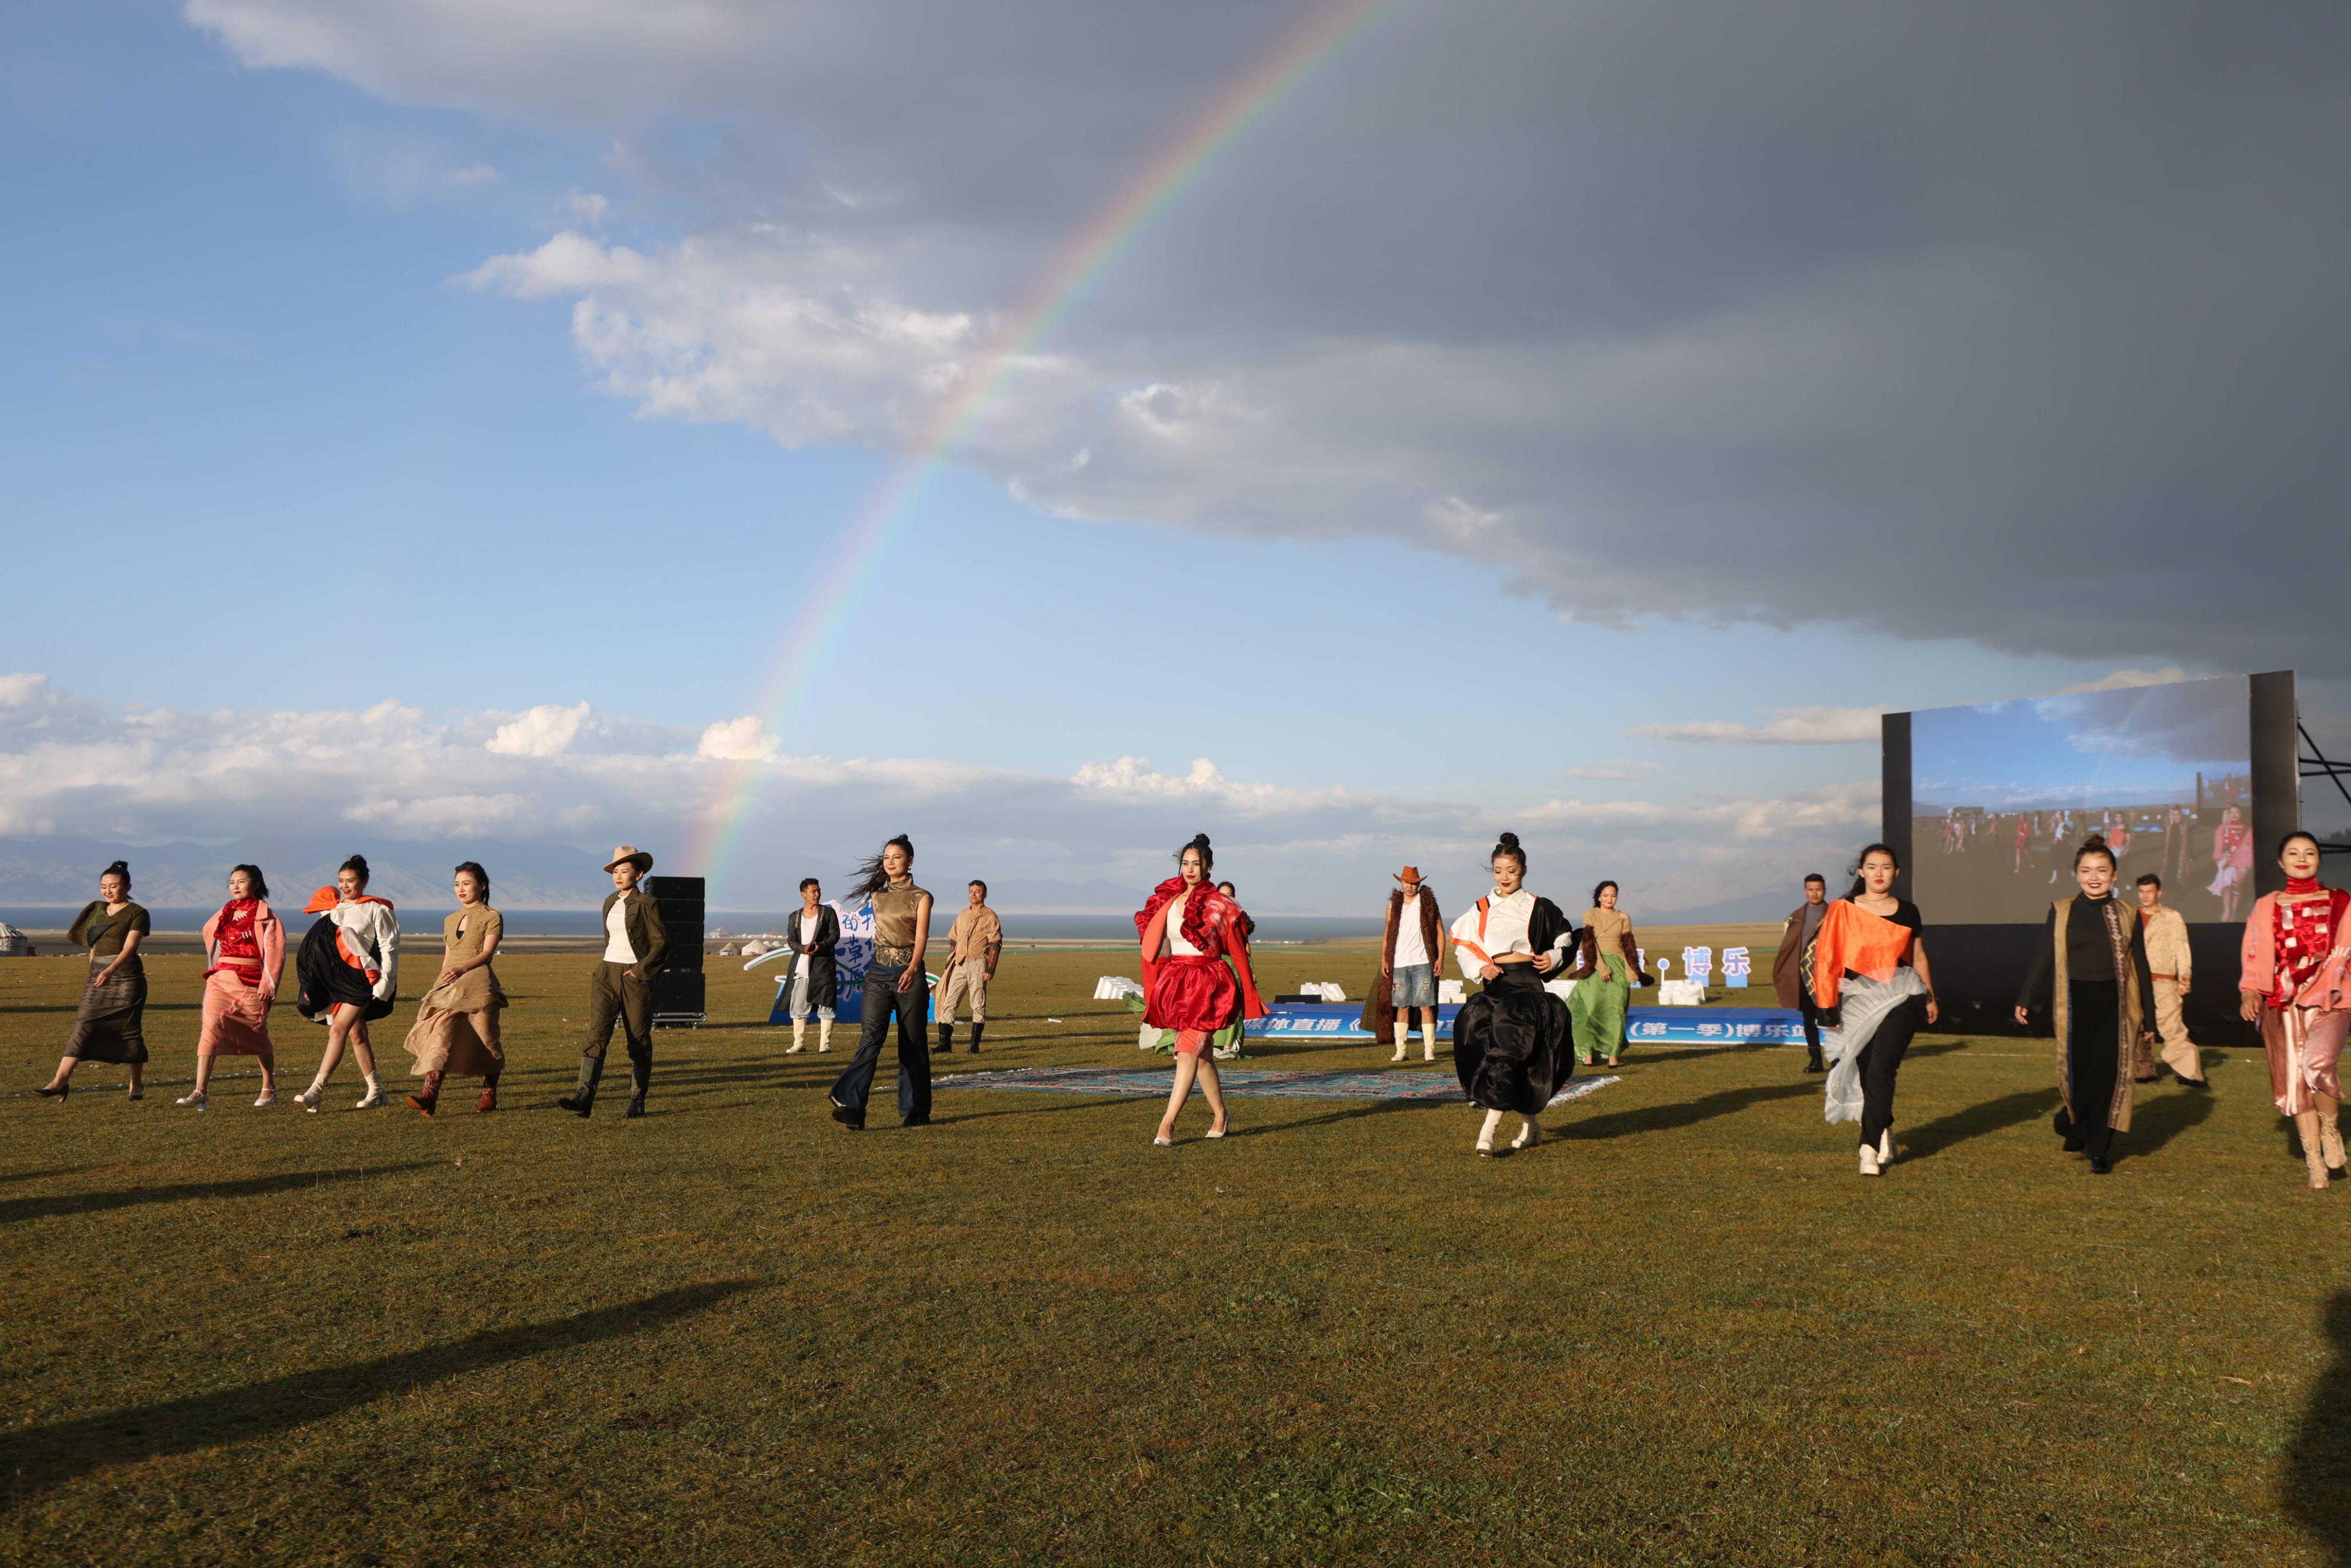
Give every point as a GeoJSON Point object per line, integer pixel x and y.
{"type": "Point", "coordinates": [1596, 1009]}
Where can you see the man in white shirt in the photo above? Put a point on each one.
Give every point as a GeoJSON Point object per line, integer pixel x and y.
{"type": "Point", "coordinates": [636, 944]}
{"type": "Point", "coordinates": [1409, 951]}
{"type": "Point", "coordinates": [815, 982]}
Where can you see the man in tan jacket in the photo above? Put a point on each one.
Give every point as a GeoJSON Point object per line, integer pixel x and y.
{"type": "Point", "coordinates": [2168, 958]}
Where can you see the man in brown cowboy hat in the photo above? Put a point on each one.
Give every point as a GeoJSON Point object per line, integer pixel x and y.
{"type": "Point", "coordinates": [635, 943]}
{"type": "Point", "coordinates": [1408, 957]}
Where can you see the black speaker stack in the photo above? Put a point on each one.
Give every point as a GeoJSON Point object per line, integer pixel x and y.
{"type": "Point", "coordinates": [677, 989]}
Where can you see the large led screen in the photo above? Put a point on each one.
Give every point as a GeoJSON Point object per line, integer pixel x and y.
{"type": "Point", "coordinates": [2001, 793]}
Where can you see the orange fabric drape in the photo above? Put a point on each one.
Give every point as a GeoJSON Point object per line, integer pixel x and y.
{"type": "Point", "coordinates": [1853, 938]}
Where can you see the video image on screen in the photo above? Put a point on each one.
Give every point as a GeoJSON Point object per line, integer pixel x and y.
{"type": "Point", "coordinates": [2002, 793]}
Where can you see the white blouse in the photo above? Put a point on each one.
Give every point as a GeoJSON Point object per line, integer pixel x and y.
{"type": "Point", "coordinates": [1506, 922]}
{"type": "Point", "coordinates": [1177, 947]}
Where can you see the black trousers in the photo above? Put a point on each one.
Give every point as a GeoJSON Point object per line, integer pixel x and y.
{"type": "Point", "coordinates": [2092, 1052]}
{"type": "Point", "coordinates": [880, 1000]}
{"type": "Point", "coordinates": [615, 997]}
{"type": "Point", "coordinates": [1881, 1059]}
{"type": "Point", "coordinates": [1811, 1025]}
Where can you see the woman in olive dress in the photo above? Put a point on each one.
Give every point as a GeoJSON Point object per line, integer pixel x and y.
{"type": "Point", "coordinates": [456, 1028]}
{"type": "Point", "coordinates": [108, 1026]}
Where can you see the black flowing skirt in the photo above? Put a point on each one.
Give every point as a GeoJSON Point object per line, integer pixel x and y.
{"type": "Point", "coordinates": [1512, 1044]}
{"type": "Point", "coordinates": [328, 980]}
{"type": "Point", "coordinates": [110, 1023]}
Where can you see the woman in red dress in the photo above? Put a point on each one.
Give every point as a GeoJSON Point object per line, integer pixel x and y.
{"type": "Point", "coordinates": [244, 952]}
{"type": "Point", "coordinates": [2294, 984]}
{"type": "Point", "coordinates": [1188, 929]}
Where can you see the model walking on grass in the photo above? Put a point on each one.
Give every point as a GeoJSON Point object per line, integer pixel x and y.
{"type": "Point", "coordinates": [2169, 958]}
{"type": "Point", "coordinates": [895, 985]}
{"type": "Point", "coordinates": [1514, 1043]}
{"type": "Point", "coordinates": [110, 1023]}
{"type": "Point", "coordinates": [813, 937]}
{"type": "Point", "coordinates": [245, 956]}
{"type": "Point", "coordinates": [1787, 964]}
{"type": "Point", "coordinates": [1189, 931]}
{"type": "Point", "coordinates": [350, 972]}
{"type": "Point", "coordinates": [620, 988]}
{"type": "Point", "coordinates": [1411, 951]}
{"type": "Point", "coordinates": [1607, 967]}
{"type": "Point", "coordinates": [2292, 985]}
{"type": "Point", "coordinates": [456, 1030]}
{"type": "Point", "coordinates": [1868, 977]}
{"type": "Point", "coordinates": [2092, 963]}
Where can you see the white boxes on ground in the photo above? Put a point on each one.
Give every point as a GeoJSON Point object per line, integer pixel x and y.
{"type": "Point", "coordinates": [1681, 994]}
{"type": "Point", "coordinates": [1112, 988]}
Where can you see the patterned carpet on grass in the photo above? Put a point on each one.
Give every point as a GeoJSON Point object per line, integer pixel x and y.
{"type": "Point", "coordinates": [1246, 1083]}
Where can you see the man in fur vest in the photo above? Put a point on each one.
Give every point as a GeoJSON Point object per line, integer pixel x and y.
{"type": "Point", "coordinates": [1409, 958]}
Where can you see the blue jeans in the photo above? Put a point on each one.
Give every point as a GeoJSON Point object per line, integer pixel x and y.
{"type": "Point", "coordinates": [881, 997]}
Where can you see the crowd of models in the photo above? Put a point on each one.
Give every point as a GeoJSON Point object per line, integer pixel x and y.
{"type": "Point", "coordinates": [1855, 968]}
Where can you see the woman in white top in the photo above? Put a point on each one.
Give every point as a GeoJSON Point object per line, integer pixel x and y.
{"type": "Point", "coordinates": [1513, 1045]}
{"type": "Point", "coordinates": [351, 975]}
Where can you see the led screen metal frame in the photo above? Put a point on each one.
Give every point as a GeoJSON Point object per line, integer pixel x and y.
{"type": "Point", "coordinates": [1979, 966]}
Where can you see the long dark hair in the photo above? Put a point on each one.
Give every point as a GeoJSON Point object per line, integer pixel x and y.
{"type": "Point", "coordinates": [257, 885]}
{"type": "Point", "coordinates": [122, 870]}
{"type": "Point", "coordinates": [1207, 856]}
{"type": "Point", "coordinates": [474, 869]}
{"type": "Point", "coordinates": [357, 865]}
{"type": "Point", "coordinates": [868, 878]}
{"type": "Point", "coordinates": [1509, 846]}
{"type": "Point", "coordinates": [1859, 886]}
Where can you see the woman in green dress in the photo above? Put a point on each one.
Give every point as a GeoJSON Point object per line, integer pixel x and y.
{"type": "Point", "coordinates": [109, 1025]}
{"type": "Point", "coordinates": [1608, 966]}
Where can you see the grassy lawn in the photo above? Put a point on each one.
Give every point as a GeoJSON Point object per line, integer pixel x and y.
{"type": "Point", "coordinates": [1684, 1333]}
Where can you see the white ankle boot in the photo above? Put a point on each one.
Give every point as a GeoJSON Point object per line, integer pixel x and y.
{"type": "Point", "coordinates": [1868, 1160]}
{"type": "Point", "coordinates": [1530, 1134]}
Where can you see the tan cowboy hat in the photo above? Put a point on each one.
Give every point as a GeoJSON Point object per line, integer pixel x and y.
{"type": "Point", "coordinates": [627, 852]}
{"type": "Point", "coordinates": [1410, 876]}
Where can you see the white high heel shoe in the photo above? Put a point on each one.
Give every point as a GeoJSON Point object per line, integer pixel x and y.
{"type": "Point", "coordinates": [195, 1102]}
{"type": "Point", "coordinates": [1162, 1141]}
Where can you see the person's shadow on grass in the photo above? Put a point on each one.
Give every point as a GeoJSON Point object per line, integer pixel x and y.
{"type": "Point", "coordinates": [15, 1209]}
{"type": "Point", "coordinates": [2318, 1460]}
{"type": "Point", "coordinates": [1931, 1138]}
{"type": "Point", "coordinates": [35, 1460]}
{"type": "Point", "coordinates": [1680, 1113]}
{"type": "Point", "coordinates": [2160, 1122]}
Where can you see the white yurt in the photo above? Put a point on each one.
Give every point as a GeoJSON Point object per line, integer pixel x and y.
{"type": "Point", "coordinates": [14, 944]}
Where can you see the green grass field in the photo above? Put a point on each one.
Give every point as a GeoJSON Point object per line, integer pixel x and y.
{"type": "Point", "coordinates": [1685, 1331]}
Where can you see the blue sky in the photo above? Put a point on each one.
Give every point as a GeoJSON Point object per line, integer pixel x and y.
{"type": "Point", "coordinates": [266, 450]}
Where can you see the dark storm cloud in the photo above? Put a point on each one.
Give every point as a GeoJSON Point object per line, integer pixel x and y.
{"type": "Point", "coordinates": [2016, 323]}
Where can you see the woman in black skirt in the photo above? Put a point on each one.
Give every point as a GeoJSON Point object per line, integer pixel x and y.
{"type": "Point", "coordinates": [1512, 1043]}
{"type": "Point", "coordinates": [109, 1025]}
{"type": "Point", "coordinates": [2093, 963]}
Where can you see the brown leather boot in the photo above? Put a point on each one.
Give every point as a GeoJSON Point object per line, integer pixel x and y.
{"type": "Point", "coordinates": [489, 1095]}
{"type": "Point", "coordinates": [431, 1096]}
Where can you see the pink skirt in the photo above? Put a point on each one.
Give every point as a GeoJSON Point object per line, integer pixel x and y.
{"type": "Point", "coordinates": [237, 1017]}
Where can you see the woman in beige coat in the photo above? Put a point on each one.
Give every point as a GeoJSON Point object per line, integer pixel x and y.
{"type": "Point", "coordinates": [456, 1028]}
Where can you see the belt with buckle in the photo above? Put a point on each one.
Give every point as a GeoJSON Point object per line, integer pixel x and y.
{"type": "Point", "coordinates": [887, 954]}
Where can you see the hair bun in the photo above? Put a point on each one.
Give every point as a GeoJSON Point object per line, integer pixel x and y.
{"type": "Point", "coordinates": [1201, 839]}
{"type": "Point", "coordinates": [1510, 840]}
{"type": "Point", "coordinates": [119, 867]}
{"type": "Point", "coordinates": [2095, 841]}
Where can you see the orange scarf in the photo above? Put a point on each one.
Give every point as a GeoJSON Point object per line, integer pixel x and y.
{"type": "Point", "coordinates": [1853, 938]}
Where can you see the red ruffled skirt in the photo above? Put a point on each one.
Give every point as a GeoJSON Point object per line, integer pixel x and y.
{"type": "Point", "coordinates": [1189, 992]}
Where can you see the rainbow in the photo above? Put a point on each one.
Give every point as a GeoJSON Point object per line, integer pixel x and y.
{"type": "Point", "coordinates": [1093, 251]}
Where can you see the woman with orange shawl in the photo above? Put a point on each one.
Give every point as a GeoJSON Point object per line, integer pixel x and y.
{"type": "Point", "coordinates": [1188, 929]}
{"type": "Point", "coordinates": [1866, 970]}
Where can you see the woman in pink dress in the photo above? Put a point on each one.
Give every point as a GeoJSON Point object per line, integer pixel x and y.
{"type": "Point", "coordinates": [2294, 985]}
{"type": "Point", "coordinates": [245, 952]}
{"type": "Point", "coordinates": [1188, 929]}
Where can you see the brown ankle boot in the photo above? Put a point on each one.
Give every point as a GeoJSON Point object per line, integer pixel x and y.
{"type": "Point", "coordinates": [489, 1096]}
{"type": "Point", "coordinates": [431, 1096]}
